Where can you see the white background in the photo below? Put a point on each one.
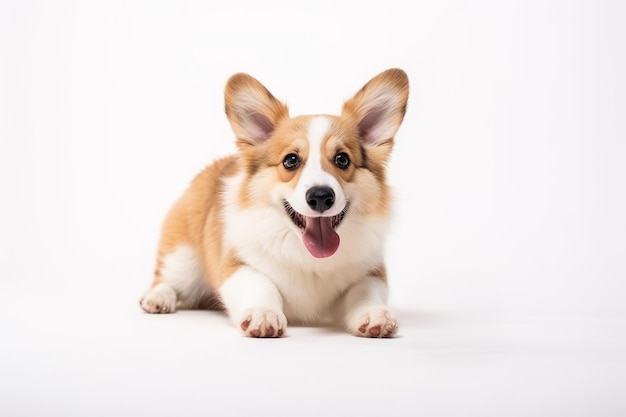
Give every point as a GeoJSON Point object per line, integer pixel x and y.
{"type": "Point", "coordinates": [507, 255]}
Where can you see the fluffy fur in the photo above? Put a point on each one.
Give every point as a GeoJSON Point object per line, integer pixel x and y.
{"type": "Point", "coordinates": [291, 228]}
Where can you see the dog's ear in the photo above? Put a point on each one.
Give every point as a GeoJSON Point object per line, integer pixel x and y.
{"type": "Point", "coordinates": [379, 107]}
{"type": "Point", "coordinates": [252, 110]}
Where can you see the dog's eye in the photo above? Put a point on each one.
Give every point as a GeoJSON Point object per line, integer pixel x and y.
{"type": "Point", "coordinates": [342, 161]}
{"type": "Point", "coordinates": [291, 161]}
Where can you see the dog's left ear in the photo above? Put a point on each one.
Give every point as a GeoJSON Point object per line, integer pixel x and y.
{"type": "Point", "coordinates": [379, 107]}
{"type": "Point", "coordinates": [252, 110]}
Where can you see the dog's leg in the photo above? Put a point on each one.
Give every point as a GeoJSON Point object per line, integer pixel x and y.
{"type": "Point", "coordinates": [253, 303]}
{"type": "Point", "coordinates": [364, 311]}
{"type": "Point", "coordinates": [178, 283]}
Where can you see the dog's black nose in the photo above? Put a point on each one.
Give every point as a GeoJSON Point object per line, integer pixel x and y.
{"type": "Point", "coordinates": [320, 198]}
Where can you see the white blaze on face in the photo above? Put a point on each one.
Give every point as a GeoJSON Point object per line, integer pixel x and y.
{"type": "Point", "coordinates": [318, 229]}
{"type": "Point", "coordinates": [314, 175]}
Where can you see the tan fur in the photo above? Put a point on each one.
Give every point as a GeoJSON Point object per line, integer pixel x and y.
{"type": "Point", "coordinates": [194, 221]}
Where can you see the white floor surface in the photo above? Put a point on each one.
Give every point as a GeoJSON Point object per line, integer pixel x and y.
{"type": "Point", "coordinates": [108, 358]}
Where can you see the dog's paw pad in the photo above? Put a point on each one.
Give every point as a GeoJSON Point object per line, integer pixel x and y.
{"type": "Point", "coordinates": [374, 323]}
{"type": "Point", "coordinates": [160, 299]}
{"type": "Point", "coordinates": [263, 322]}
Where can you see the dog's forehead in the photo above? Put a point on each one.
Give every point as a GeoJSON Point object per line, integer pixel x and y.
{"type": "Point", "coordinates": [318, 130]}
{"type": "Point", "coordinates": [316, 135]}
{"type": "Point", "coordinates": [308, 132]}
{"type": "Point", "coordinates": [330, 133]}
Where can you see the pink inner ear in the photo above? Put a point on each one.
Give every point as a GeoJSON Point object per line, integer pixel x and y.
{"type": "Point", "coordinates": [259, 127]}
{"type": "Point", "coordinates": [370, 125]}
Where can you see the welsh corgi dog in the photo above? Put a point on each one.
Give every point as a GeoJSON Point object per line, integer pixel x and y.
{"type": "Point", "coordinates": [292, 227]}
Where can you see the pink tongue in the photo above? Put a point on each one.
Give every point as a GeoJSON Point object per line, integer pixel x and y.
{"type": "Point", "coordinates": [319, 237]}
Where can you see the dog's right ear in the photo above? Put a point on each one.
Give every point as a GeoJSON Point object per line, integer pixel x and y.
{"type": "Point", "coordinates": [379, 107]}
{"type": "Point", "coordinates": [252, 110]}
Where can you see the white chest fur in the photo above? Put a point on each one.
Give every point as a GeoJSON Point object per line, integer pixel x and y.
{"type": "Point", "coordinates": [264, 240]}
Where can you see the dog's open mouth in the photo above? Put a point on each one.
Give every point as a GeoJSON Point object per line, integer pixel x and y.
{"type": "Point", "coordinates": [318, 233]}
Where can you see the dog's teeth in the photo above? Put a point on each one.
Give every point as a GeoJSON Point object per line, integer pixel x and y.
{"type": "Point", "coordinates": [336, 220]}
{"type": "Point", "coordinates": [300, 221]}
{"type": "Point", "coordinates": [296, 217]}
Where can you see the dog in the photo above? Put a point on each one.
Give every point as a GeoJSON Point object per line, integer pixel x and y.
{"type": "Point", "coordinates": [291, 228]}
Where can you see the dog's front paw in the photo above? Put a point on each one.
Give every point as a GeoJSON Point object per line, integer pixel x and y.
{"type": "Point", "coordinates": [373, 322]}
{"type": "Point", "coordinates": [160, 299]}
{"type": "Point", "coordinates": [263, 322]}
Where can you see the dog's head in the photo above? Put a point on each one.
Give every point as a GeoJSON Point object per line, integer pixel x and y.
{"type": "Point", "coordinates": [317, 170]}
